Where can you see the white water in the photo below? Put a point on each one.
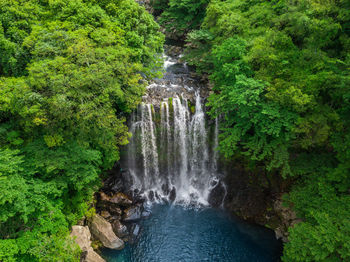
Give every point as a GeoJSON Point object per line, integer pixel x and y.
{"type": "Point", "coordinates": [216, 145]}
{"type": "Point", "coordinates": [170, 159]}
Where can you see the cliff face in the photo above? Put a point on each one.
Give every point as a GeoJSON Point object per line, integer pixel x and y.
{"type": "Point", "coordinates": [255, 197]}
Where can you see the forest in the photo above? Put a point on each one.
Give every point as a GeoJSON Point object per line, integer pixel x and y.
{"type": "Point", "coordinates": [281, 75]}
{"type": "Point", "coordinates": [71, 71]}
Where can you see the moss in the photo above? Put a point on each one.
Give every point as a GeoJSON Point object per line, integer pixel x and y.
{"type": "Point", "coordinates": [155, 116]}
{"type": "Point", "coordinates": [152, 110]}
{"type": "Point", "coordinates": [191, 106]}
{"type": "Point", "coordinates": [193, 109]}
{"type": "Point", "coordinates": [268, 226]}
{"type": "Point", "coordinates": [170, 101]}
{"type": "Point", "coordinates": [90, 213]}
{"type": "Point", "coordinates": [96, 244]}
{"type": "Point", "coordinates": [171, 108]}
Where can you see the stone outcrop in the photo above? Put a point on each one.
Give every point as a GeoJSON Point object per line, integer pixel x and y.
{"type": "Point", "coordinates": [82, 236]}
{"type": "Point", "coordinates": [92, 256]}
{"type": "Point", "coordinates": [256, 198]}
{"type": "Point", "coordinates": [288, 218]}
{"type": "Point", "coordinates": [133, 213]}
{"type": "Point", "coordinates": [120, 199]}
{"type": "Point", "coordinates": [117, 200]}
{"type": "Point", "coordinates": [111, 206]}
{"type": "Point", "coordinates": [103, 231]}
{"type": "Point", "coordinates": [119, 229]}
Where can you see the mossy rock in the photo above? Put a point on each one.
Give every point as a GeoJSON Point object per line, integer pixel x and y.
{"type": "Point", "coordinates": [96, 244]}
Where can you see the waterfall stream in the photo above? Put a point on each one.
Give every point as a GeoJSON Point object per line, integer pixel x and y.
{"type": "Point", "coordinates": [172, 159]}
{"type": "Point", "coordinates": [172, 154]}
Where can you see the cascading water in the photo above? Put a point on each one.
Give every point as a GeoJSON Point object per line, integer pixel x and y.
{"type": "Point", "coordinates": [169, 156]}
{"type": "Point", "coordinates": [172, 158]}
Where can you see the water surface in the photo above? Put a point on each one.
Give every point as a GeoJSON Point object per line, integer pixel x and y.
{"type": "Point", "coordinates": [177, 234]}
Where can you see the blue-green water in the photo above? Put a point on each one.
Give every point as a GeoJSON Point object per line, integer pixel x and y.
{"type": "Point", "coordinates": [174, 234]}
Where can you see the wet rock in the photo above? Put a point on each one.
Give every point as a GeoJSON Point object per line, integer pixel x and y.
{"type": "Point", "coordinates": [178, 69]}
{"type": "Point", "coordinates": [146, 213]}
{"type": "Point", "coordinates": [172, 195]}
{"type": "Point", "coordinates": [104, 197]}
{"type": "Point", "coordinates": [135, 230]}
{"type": "Point", "coordinates": [105, 214]}
{"type": "Point", "coordinates": [151, 196]}
{"type": "Point", "coordinates": [120, 180]}
{"type": "Point", "coordinates": [174, 50]}
{"type": "Point", "coordinates": [121, 199]}
{"type": "Point", "coordinates": [132, 213]}
{"type": "Point", "coordinates": [280, 233]}
{"type": "Point", "coordinates": [217, 195]}
{"type": "Point", "coordinates": [82, 236]}
{"type": "Point", "coordinates": [114, 218]}
{"type": "Point", "coordinates": [166, 189]}
{"type": "Point", "coordinates": [288, 218]}
{"type": "Point", "coordinates": [117, 186]}
{"type": "Point", "coordinates": [119, 229]}
{"type": "Point", "coordinates": [103, 231]}
{"type": "Point", "coordinates": [115, 211]}
{"type": "Point", "coordinates": [135, 233]}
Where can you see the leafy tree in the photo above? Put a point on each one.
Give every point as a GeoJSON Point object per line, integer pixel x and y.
{"type": "Point", "coordinates": [281, 77]}
{"type": "Point", "coordinates": [181, 16]}
{"type": "Point", "coordinates": [70, 71]}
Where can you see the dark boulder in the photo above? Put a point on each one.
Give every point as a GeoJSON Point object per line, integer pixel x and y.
{"type": "Point", "coordinates": [135, 231]}
{"type": "Point", "coordinates": [217, 195]}
{"type": "Point", "coordinates": [172, 195]}
{"type": "Point", "coordinates": [120, 229]}
{"type": "Point", "coordinates": [121, 199]}
{"type": "Point", "coordinates": [113, 203]}
{"type": "Point", "coordinates": [133, 213]}
{"type": "Point", "coordinates": [116, 212]}
{"type": "Point", "coordinates": [103, 231]}
{"type": "Point", "coordinates": [105, 214]}
{"type": "Point", "coordinates": [146, 213]}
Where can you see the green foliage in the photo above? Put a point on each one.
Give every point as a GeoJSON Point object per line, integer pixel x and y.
{"type": "Point", "coordinates": [69, 73]}
{"type": "Point", "coordinates": [281, 76]}
{"type": "Point", "coordinates": [324, 234]}
{"type": "Point", "coordinates": [181, 16]}
{"type": "Point", "coordinates": [278, 85]}
{"type": "Point", "coordinates": [253, 125]}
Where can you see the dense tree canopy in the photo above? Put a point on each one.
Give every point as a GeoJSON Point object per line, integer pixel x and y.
{"type": "Point", "coordinates": [281, 75]}
{"type": "Point", "coordinates": [69, 72]}
{"type": "Point", "coordinates": [179, 17]}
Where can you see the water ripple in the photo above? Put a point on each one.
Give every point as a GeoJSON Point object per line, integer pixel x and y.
{"type": "Point", "coordinates": [175, 234]}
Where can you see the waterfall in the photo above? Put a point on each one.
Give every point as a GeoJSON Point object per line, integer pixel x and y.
{"type": "Point", "coordinates": [216, 145]}
{"type": "Point", "coordinates": [200, 156]}
{"type": "Point", "coordinates": [166, 139]}
{"type": "Point", "coordinates": [169, 155]}
{"type": "Point", "coordinates": [149, 147]}
{"type": "Point", "coordinates": [180, 142]}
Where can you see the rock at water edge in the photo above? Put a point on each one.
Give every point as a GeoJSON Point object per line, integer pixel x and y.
{"type": "Point", "coordinates": [92, 256]}
{"type": "Point", "coordinates": [102, 230]}
{"type": "Point", "coordinates": [121, 199]}
{"type": "Point", "coordinates": [132, 213]}
{"type": "Point", "coordinates": [82, 236]}
{"type": "Point", "coordinates": [119, 229]}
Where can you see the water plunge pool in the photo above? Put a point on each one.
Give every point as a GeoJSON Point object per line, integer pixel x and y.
{"type": "Point", "coordinates": [174, 233]}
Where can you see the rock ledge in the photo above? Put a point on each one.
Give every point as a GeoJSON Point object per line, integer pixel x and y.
{"type": "Point", "coordinates": [82, 236]}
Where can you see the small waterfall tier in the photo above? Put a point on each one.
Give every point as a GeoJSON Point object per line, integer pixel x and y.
{"type": "Point", "coordinates": [172, 154]}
